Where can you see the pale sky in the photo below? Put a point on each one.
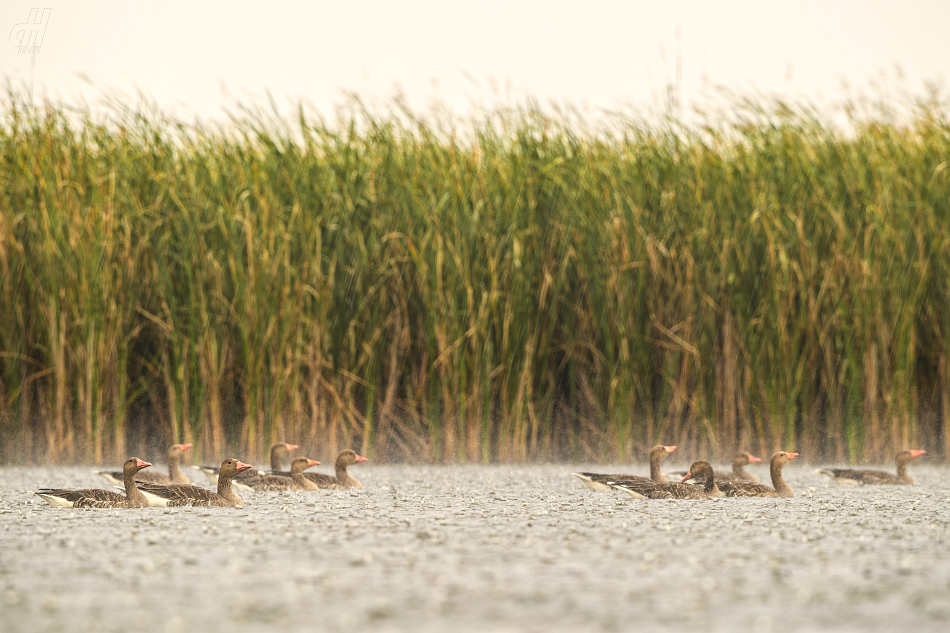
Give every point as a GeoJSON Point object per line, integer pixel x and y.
{"type": "Point", "coordinates": [196, 58]}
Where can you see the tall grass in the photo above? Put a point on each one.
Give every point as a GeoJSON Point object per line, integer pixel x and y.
{"type": "Point", "coordinates": [520, 288]}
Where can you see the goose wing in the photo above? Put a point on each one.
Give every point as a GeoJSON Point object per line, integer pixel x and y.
{"type": "Point", "coordinates": [92, 494]}
{"type": "Point", "coordinates": [639, 487]}
{"type": "Point", "coordinates": [746, 489]}
{"type": "Point", "coordinates": [175, 492]}
{"type": "Point", "coordinates": [88, 502]}
{"type": "Point", "coordinates": [860, 476]}
{"type": "Point", "coordinates": [274, 482]}
{"type": "Point", "coordinates": [322, 480]}
{"type": "Point", "coordinates": [184, 495]}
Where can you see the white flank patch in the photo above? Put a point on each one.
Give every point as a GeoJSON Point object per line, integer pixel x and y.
{"type": "Point", "coordinates": [844, 481]}
{"type": "Point", "coordinates": [632, 493]}
{"type": "Point", "coordinates": [55, 501]}
{"type": "Point", "coordinates": [154, 501]}
{"type": "Point", "coordinates": [590, 483]}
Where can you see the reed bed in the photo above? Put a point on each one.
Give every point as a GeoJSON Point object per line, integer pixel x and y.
{"type": "Point", "coordinates": [521, 287]}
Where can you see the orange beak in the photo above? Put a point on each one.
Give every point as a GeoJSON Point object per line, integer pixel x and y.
{"type": "Point", "coordinates": [687, 476]}
{"type": "Point", "coordinates": [753, 459]}
{"type": "Point", "coordinates": [184, 447]}
{"type": "Point", "coordinates": [242, 466]}
{"type": "Point", "coordinates": [360, 458]}
{"type": "Point", "coordinates": [141, 464]}
{"type": "Point", "coordinates": [291, 447]}
{"type": "Point", "coordinates": [916, 454]}
{"type": "Point", "coordinates": [670, 449]}
{"type": "Point", "coordinates": [312, 462]}
{"type": "Point", "coordinates": [792, 455]}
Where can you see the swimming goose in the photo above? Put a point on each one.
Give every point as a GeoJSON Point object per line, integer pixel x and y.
{"type": "Point", "coordinates": [247, 479]}
{"type": "Point", "coordinates": [296, 480]}
{"type": "Point", "coordinates": [343, 479]}
{"type": "Point", "coordinates": [98, 498]}
{"type": "Point", "coordinates": [597, 481]}
{"type": "Point", "coordinates": [858, 476]}
{"type": "Point", "coordinates": [642, 488]}
{"type": "Point", "coordinates": [738, 473]}
{"type": "Point", "coordinates": [187, 495]}
{"type": "Point", "coordinates": [174, 476]}
{"type": "Point", "coordinates": [750, 489]}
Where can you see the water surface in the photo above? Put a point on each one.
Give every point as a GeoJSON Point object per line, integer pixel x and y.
{"type": "Point", "coordinates": [478, 548]}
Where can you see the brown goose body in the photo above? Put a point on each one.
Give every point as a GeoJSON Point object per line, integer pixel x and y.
{"type": "Point", "coordinates": [750, 489]}
{"type": "Point", "coordinates": [98, 498]}
{"type": "Point", "coordinates": [642, 488]}
{"type": "Point", "coordinates": [876, 477]}
{"type": "Point", "coordinates": [295, 480]}
{"type": "Point", "coordinates": [342, 479]}
{"type": "Point", "coordinates": [177, 495]}
{"type": "Point", "coordinates": [598, 481]}
{"type": "Point", "coordinates": [738, 472]}
{"type": "Point", "coordinates": [174, 476]}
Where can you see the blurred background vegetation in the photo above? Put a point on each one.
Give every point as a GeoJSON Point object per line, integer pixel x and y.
{"type": "Point", "coordinates": [525, 286]}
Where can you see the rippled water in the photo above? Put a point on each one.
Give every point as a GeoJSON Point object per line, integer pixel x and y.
{"type": "Point", "coordinates": [476, 548]}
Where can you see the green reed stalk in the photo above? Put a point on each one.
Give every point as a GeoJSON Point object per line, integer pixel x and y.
{"type": "Point", "coordinates": [521, 287]}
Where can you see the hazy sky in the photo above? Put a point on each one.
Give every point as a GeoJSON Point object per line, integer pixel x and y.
{"type": "Point", "coordinates": [198, 57]}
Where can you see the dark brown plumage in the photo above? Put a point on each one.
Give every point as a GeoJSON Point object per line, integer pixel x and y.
{"type": "Point", "coordinates": [187, 495]}
{"type": "Point", "coordinates": [642, 488]}
{"type": "Point", "coordinates": [343, 479]}
{"type": "Point", "coordinates": [598, 481]}
{"type": "Point", "coordinates": [98, 498]}
{"type": "Point", "coordinates": [295, 481]}
{"type": "Point", "coordinates": [738, 473]}
{"type": "Point", "coordinates": [749, 489]}
{"type": "Point", "coordinates": [876, 477]}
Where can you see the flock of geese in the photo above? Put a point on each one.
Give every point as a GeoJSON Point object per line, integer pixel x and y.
{"type": "Point", "coordinates": [702, 482]}
{"type": "Point", "coordinates": [151, 488]}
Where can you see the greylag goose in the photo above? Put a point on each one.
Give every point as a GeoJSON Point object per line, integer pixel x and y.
{"type": "Point", "coordinates": [98, 498]}
{"type": "Point", "coordinates": [296, 480]}
{"type": "Point", "coordinates": [642, 488]}
{"type": "Point", "coordinates": [857, 476]}
{"type": "Point", "coordinates": [187, 495]}
{"type": "Point", "coordinates": [247, 479]}
{"type": "Point", "coordinates": [343, 479]}
{"type": "Point", "coordinates": [598, 481]}
{"type": "Point", "coordinates": [174, 476]}
{"type": "Point", "coordinates": [750, 489]}
{"type": "Point", "coordinates": [738, 472]}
